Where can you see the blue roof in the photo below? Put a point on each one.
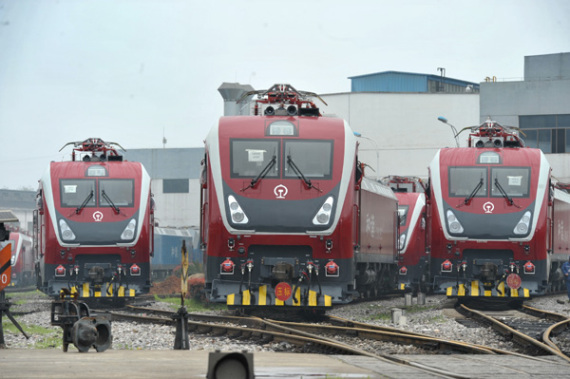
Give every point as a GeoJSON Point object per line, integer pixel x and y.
{"type": "Point", "coordinates": [398, 81]}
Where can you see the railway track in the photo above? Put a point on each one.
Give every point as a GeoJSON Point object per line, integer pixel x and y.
{"type": "Point", "coordinates": [534, 335]}
{"type": "Point", "coordinates": [313, 337]}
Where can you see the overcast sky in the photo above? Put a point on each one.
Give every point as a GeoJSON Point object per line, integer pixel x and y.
{"type": "Point", "coordinates": [130, 70]}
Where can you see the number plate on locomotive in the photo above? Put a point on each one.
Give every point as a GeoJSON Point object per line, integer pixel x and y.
{"type": "Point", "coordinates": [283, 291]}
{"type": "Point", "coordinates": [514, 281]}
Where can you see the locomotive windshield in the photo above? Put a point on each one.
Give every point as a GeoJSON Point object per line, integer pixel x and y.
{"type": "Point", "coordinates": [515, 181]}
{"type": "Point", "coordinates": [313, 158]}
{"type": "Point", "coordinates": [463, 181]}
{"type": "Point", "coordinates": [119, 192]}
{"type": "Point", "coordinates": [77, 193]}
{"type": "Point", "coordinates": [249, 158]}
{"type": "Point", "coordinates": [81, 193]}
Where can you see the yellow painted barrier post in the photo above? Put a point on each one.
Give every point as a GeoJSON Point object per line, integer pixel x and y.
{"type": "Point", "coordinates": [181, 317]}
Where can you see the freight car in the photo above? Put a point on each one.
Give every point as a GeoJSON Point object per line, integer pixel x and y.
{"type": "Point", "coordinates": [497, 222]}
{"type": "Point", "coordinates": [93, 226]}
{"type": "Point", "coordinates": [168, 250]}
{"type": "Point", "coordinates": [289, 219]}
{"type": "Point", "coordinates": [413, 257]}
{"type": "Point", "coordinates": [22, 260]}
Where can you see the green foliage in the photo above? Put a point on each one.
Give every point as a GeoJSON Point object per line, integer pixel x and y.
{"type": "Point", "coordinates": [192, 305]}
{"type": "Point", "coordinates": [18, 296]}
{"type": "Point", "coordinates": [387, 315]}
{"type": "Point", "coordinates": [193, 268]}
{"type": "Point", "coordinates": [380, 316]}
{"type": "Point", "coordinates": [45, 338]}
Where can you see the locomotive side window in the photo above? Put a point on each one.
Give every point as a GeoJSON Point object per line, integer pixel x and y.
{"type": "Point", "coordinates": [74, 192]}
{"type": "Point", "coordinates": [403, 214]}
{"type": "Point", "coordinates": [249, 158]}
{"type": "Point", "coordinates": [515, 181]}
{"type": "Point", "coordinates": [313, 158]}
{"type": "Point", "coordinates": [118, 191]}
{"type": "Point", "coordinates": [464, 181]}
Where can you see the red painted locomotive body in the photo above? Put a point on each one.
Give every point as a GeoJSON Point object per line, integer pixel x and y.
{"type": "Point", "coordinates": [491, 211]}
{"type": "Point", "coordinates": [413, 258]}
{"type": "Point", "coordinates": [22, 260]}
{"type": "Point", "coordinates": [288, 218]}
{"type": "Point", "coordinates": [93, 226]}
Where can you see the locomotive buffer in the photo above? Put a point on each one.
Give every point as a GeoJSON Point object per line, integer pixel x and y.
{"type": "Point", "coordinates": [5, 274]}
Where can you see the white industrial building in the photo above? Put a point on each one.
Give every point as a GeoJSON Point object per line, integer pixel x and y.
{"type": "Point", "coordinates": [400, 131]}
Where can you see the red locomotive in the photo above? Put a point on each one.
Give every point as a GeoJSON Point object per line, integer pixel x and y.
{"type": "Point", "coordinates": [288, 218]}
{"type": "Point", "coordinates": [413, 261]}
{"type": "Point", "coordinates": [93, 226]}
{"type": "Point", "coordinates": [497, 224]}
{"type": "Point", "coordinates": [22, 260]}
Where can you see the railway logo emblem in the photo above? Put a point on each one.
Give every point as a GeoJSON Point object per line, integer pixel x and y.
{"type": "Point", "coordinates": [488, 207]}
{"type": "Point", "coordinates": [280, 191]}
{"type": "Point", "coordinates": [98, 216]}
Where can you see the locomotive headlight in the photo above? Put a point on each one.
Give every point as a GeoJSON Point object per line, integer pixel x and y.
{"type": "Point", "coordinates": [66, 232]}
{"type": "Point", "coordinates": [523, 224]}
{"type": "Point", "coordinates": [323, 216]}
{"type": "Point", "coordinates": [237, 214]}
{"type": "Point", "coordinates": [402, 242]}
{"type": "Point", "coordinates": [13, 260]}
{"type": "Point", "coordinates": [129, 231]}
{"type": "Point", "coordinates": [453, 223]}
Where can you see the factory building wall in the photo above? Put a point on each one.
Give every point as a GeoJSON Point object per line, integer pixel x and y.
{"type": "Point", "coordinates": [400, 131]}
{"type": "Point", "coordinates": [539, 105]}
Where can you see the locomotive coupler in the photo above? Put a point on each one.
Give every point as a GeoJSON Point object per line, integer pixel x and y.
{"type": "Point", "coordinates": [79, 327]}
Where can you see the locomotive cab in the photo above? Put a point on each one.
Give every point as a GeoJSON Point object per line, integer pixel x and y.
{"type": "Point", "coordinates": [490, 234]}
{"type": "Point", "coordinates": [281, 208]}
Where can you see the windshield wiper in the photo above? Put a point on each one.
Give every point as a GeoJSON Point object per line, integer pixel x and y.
{"type": "Point", "coordinates": [468, 199]}
{"type": "Point", "coordinates": [263, 173]}
{"type": "Point", "coordinates": [504, 193]}
{"type": "Point", "coordinates": [87, 199]}
{"type": "Point", "coordinates": [111, 204]}
{"type": "Point", "coordinates": [300, 174]}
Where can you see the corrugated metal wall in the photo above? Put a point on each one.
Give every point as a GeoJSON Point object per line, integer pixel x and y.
{"type": "Point", "coordinates": [390, 82]}
{"type": "Point", "coordinates": [395, 81]}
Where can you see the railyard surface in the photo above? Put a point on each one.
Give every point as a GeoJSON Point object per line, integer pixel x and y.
{"type": "Point", "coordinates": [53, 363]}
{"type": "Point", "coordinates": [145, 351]}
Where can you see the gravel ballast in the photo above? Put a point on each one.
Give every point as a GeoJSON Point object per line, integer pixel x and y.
{"type": "Point", "coordinates": [436, 318]}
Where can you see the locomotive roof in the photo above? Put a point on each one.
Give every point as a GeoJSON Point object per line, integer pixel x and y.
{"type": "Point", "coordinates": [248, 126]}
{"type": "Point", "coordinates": [467, 156]}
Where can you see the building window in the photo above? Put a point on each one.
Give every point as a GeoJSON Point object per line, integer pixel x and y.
{"type": "Point", "coordinates": [175, 186]}
{"type": "Point", "coordinates": [550, 133]}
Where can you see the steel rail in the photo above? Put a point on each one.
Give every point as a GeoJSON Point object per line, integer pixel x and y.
{"type": "Point", "coordinates": [553, 316]}
{"type": "Point", "coordinates": [399, 337]}
{"type": "Point", "coordinates": [385, 333]}
{"type": "Point", "coordinates": [554, 330]}
{"type": "Point", "coordinates": [515, 334]}
{"type": "Point", "coordinates": [296, 339]}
